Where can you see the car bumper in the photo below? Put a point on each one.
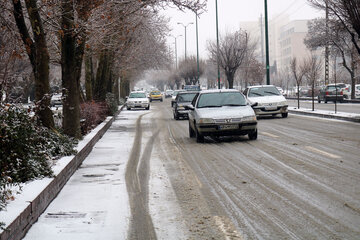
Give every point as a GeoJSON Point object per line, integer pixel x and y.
{"type": "Point", "coordinates": [334, 97]}
{"type": "Point", "coordinates": [182, 113]}
{"type": "Point", "coordinates": [156, 98]}
{"type": "Point", "coordinates": [226, 129]}
{"type": "Point", "coordinates": [262, 110]}
{"type": "Point", "coordinates": [137, 105]}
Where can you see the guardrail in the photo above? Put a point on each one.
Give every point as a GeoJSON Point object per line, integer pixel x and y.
{"type": "Point", "coordinates": [309, 99]}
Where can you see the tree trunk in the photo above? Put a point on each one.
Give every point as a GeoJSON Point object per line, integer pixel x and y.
{"type": "Point", "coordinates": [230, 78]}
{"type": "Point", "coordinates": [39, 58]}
{"type": "Point", "coordinates": [89, 77]}
{"type": "Point", "coordinates": [70, 73]}
{"type": "Point", "coordinates": [101, 77]}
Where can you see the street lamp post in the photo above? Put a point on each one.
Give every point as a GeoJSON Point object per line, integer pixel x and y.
{"type": "Point", "coordinates": [217, 44]}
{"type": "Point", "coordinates": [176, 65]}
{"type": "Point", "coordinates": [267, 45]}
{"type": "Point", "coordinates": [197, 50]}
{"type": "Point", "coordinates": [185, 26]}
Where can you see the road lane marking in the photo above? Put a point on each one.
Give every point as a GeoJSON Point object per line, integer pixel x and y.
{"type": "Point", "coordinates": [269, 134]}
{"type": "Point", "coordinates": [326, 154]}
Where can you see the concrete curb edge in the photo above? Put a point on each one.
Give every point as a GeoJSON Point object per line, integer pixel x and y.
{"type": "Point", "coordinates": [350, 119]}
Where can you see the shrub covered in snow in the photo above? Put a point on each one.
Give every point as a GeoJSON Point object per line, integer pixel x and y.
{"type": "Point", "coordinates": [26, 149]}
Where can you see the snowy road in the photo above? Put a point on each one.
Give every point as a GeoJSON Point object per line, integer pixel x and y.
{"type": "Point", "coordinates": [299, 180]}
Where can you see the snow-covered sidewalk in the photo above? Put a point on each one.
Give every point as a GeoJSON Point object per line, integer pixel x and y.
{"type": "Point", "coordinates": [94, 202]}
{"type": "Point", "coordinates": [353, 117]}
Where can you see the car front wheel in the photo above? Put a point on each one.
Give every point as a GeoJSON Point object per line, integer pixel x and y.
{"type": "Point", "coordinates": [191, 131]}
{"type": "Point", "coordinates": [253, 135]}
{"type": "Point", "coordinates": [199, 137]}
{"type": "Point", "coordinates": [284, 115]}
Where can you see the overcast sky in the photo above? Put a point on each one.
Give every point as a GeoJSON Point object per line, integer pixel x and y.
{"type": "Point", "coordinates": [230, 14]}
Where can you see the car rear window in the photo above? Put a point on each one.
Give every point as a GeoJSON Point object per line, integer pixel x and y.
{"type": "Point", "coordinates": [186, 97]}
{"type": "Point", "coordinates": [137, 95]}
{"type": "Point", "coordinates": [263, 91]}
{"type": "Point", "coordinates": [220, 99]}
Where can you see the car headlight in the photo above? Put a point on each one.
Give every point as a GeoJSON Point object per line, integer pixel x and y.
{"type": "Point", "coordinates": [249, 118]}
{"type": "Point", "coordinates": [281, 103]}
{"type": "Point", "coordinates": [181, 107]}
{"type": "Point", "coordinates": [206, 120]}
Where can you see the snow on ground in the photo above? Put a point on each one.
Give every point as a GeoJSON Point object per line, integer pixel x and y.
{"type": "Point", "coordinates": [94, 202]}
{"type": "Point", "coordinates": [325, 112]}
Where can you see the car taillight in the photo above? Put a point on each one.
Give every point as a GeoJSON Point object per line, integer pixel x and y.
{"type": "Point", "coordinates": [327, 93]}
{"type": "Point", "coordinates": [341, 93]}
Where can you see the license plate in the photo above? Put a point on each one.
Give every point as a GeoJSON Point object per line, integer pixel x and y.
{"type": "Point", "coordinates": [270, 108]}
{"type": "Point", "coordinates": [226, 127]}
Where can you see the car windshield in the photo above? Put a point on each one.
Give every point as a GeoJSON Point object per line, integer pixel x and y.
{"type": "Point", "coordinates": [263, 91]}
{"type": "Point", "coordinates": [332, 88]}
{"type": "Point", "coordinates": [175, 93]}
{"type": "Point", "coordinates": [358, 87]}
{"type": "Point", "coordinates": [137, 95]}
{"type": "Point", "coordinates": [186, 97]}
{"type": "Point", "coordinates": [155, 93]}
{"type": "Point", "coordinates": [220, 99]}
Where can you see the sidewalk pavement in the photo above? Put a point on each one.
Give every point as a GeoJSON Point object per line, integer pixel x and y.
{"type": "Point", "coordinates": [352, 117]}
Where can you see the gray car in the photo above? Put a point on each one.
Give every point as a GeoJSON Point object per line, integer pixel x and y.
{"type": "Point", "coordinates": [182, 100]}
{"type": "Point", "coordinates": [221, 113]}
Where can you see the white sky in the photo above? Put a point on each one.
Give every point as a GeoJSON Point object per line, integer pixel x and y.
{"type": "Point", "coordinates": [230, 14]}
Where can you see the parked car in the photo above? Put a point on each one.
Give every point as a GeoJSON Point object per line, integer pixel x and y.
{"type": "Point", "coordinates": [331, 92]}
{"type": "Point", "coordinates": [347, 91]}
{"type": "Point", "coordinates": [137, 100]}
{"type": "Point", "coordinates": [267, 100]}
{"type": "Point", "coordinates": [182, 99]}
{"type": "Point", "coordinates": [56, 100]}
{"type": "Point", "coordinates": [155, 95]}
{"type": "Point", "coordinates": [357, 91]}
{"type": "Point", "coordinates": [221, 112]}
{"type": "Point", "coordinates": [168, 93]}
{"type": "Point", "coordinates": [174, 96]}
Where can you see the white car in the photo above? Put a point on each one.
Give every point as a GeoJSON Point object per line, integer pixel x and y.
{"type": "Point", "coordinates": [357, 91]}
{"type": "Point", "coordinates": [137, 99]}
{"type": "Point", "coordinates": [221, 112]}
{"type": "Point", "coordinates": [267, 100]}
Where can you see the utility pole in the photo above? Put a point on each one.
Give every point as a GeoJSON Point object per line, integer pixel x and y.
{"type": "Point", "coordinates": [176, 64]}
{"type": "Point", "coordinates": [267, 45]}
{"type": "Point", "coordinates": [262, 39]}
{"type": "Point", "coordinates": [217, 42]}
{"type": "Point", "coordinates": [327, 44]}
{"type": "Point", "coordinates": [197, 50]}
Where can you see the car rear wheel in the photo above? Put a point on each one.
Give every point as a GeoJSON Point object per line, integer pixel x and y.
{"type": "Point", "coordinates": [128, 108]}
{"type": "Point", "coordinates": [253, 135]}
{"type": "Point", "coordinates": [148, 107]}
{"type": "Point", "coordinates": [319, 101]}
{"type": "Point", "coordinates": [176, 117]}
{"type": "Point", "coordinates": [284, 115]}
{"type": "Point", "coordinates": [191, 131]}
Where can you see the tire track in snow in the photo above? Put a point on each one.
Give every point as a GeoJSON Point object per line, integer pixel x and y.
{"type": "Point", "coordinates": [137, 178]}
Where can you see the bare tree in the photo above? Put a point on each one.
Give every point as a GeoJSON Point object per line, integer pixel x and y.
{"type": "Point", "coordinates": [188, 70]}
{"type": "Point", "coordinates": [347, 13]}
{"type": "Point", "coordinates": [232, 51]}
{"type": "Point", "coordinates": [340, 42]}
{"type": "Point", "coordinates": [37, 50]}
{"type": "Point", "coordinates": [298, 72]}
{"type": "Point", "coordinates": [312, 72]}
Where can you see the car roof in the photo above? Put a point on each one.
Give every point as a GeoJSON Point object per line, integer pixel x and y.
{"type": "Point", "coordinates": [218, 90]}
{"type": "Point", "coordinates": [138, 92]}
{"type": "Point", "coordinates": [187, 92]}
{"type": "Point", "coordinates": [259, 86]}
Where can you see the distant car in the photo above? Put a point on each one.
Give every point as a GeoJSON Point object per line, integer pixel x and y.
{"type": "Point", "coordinates": [331, 92]}
{"type": "Point", "coordinates": [221, 112]}
{"type": "Point", "coordinates": [155, 95]}
{"type": "Point", "coordinates": [267, 100]}
{"type": "Point", "coordinates": [182, 99]}
{"type": "Point", "coordinates": [357, 91]}
{"type": "Point", "coordinates": [56, 100]}
{"type": "Point", "coordinates": [137, 100]}
{"type": "Point", "coordinates": [347, 91]}
{"type": "Point", "coordinates": [174, 96]}
{"type": "Point", "coordinates": [168, 93]}
{"type": "Point", "coordinates": [280, 90]}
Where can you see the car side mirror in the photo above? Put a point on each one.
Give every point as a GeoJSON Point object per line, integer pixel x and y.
{"type": "Point", "coordinates": [189, 107]}
{"type": "Point", "coordinates": [126, 98]}
{"type": "Point", "coordinates": [254, 104]}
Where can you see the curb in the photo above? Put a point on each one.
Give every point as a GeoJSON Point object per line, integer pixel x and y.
{"type": "Point", "coordinates": [350, 119]}
{"type": "Point", "coordinates": [22, 223]}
